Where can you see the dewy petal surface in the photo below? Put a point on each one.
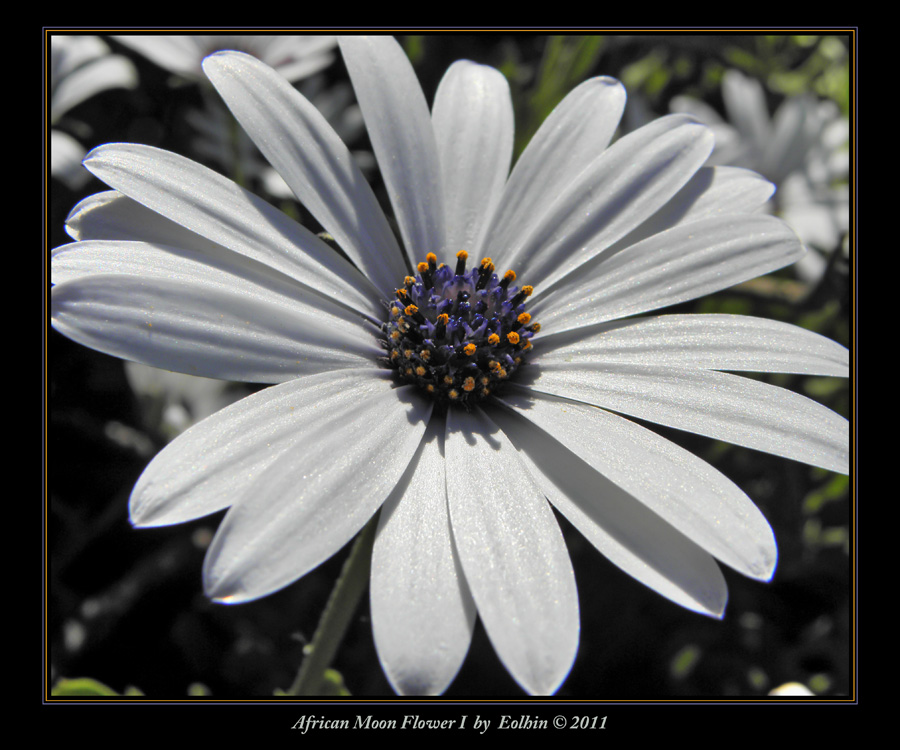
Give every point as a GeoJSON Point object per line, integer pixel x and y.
{"type": "Point", "coordinates": [615, 193]}
{"type": "Point", "coordinates": [681, 488]}
{"type": "Point", "coordinates": [473, 125]}
{"type": "Point", "coordinates": [216, 208]}
{"type": "Point", "coordinates": [622, 528]}
{"type": "Point", "coordinates": [708, 341]}
{"type": "Point", "coordinates": [399, 127]}
{"type": "Point", "coordinates": [574, 133]}
{"type": "Point", "coordinates": [716, 404]}
{"type": "Point", "coordinates": [313, 498]}
{"type": "Point", "coordinates": [512, 552]}
{"type": "Point", "coordinates": [422, 612]}
{"type": "Point", "coordinates": [306, 151]}
{"type": "Point", "coordinates": [174, 309]}
{"type": "Point", "coordinates": [212, 465]}
{"type": "Point", "coordinates": [680, 264]}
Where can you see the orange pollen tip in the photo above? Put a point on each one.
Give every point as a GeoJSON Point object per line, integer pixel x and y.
{"type": "Point", "coordinates": [510, 274]}
{"type": "Point", "coordinates": [422, 267]}
{"type": "Point", "coordinates": [448, 379]}
{"type": "Point", "coordinates": [527, 290]}
{"type": "Point", "coordinates": [431, 258]}
{"type": "Point", "coordinates": [462, 254]}
{"type": "Point", "coordinates": [487, 263]}
{"type": "Point", "coordinates": [536, 327]}
{"type": "Point", "coordinates": [493, 339]}
{"type": "Point", "coordinates": [469, 384]}
{"type": "Point", "coordinates": [443, 318]}
{"type": "Point", "coordinates": [470, 349]}
{"type": "Point", "coordinates": [420, 371]}
{"type": "Point", "coordinates": [411, 310]}
{"type": "Point", "coordinates": [512, 337]}
{"type": "Point", "coordinates": [524, 318]}
{"type": "Point", "coordinates": [408, 353]}
{"type": "Point", "coordinates": [453, 394]}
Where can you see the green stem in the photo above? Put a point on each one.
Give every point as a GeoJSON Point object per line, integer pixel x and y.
{"type": "Point", "coordinates": [337, 614]}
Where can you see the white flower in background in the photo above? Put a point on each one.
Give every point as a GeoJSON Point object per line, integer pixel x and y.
{"type": "Point", "coordinates": [802, 148]}
{"type": "Point", "coordinates": [420, 388]}
{"type": "Point", "coordinates": [293, 56]}
{"type": "Point", "coordinates": [80, 67]}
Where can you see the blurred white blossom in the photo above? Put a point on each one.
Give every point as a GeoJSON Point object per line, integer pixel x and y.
{"type": "Point", "coordinates": [80, 67]}
{"type": "Point", "coordinates": [802, 148]}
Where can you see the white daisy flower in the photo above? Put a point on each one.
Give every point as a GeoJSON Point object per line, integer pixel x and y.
{"type": "Point", "coordinates": [802, 148]}
{"type": "Point", "coordinates": [413, 377]}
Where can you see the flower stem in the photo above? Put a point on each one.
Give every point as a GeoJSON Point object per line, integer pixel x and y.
{"type": "Point", "coordinates": [348, 589]}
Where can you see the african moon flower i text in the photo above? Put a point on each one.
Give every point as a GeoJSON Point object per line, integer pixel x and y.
{"type": "Point", "coordinates": [461, 393]}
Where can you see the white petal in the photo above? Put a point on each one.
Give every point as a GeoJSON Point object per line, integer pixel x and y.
{"type": "Point", "coordinates": [714, 342]}
{"type": "Point", "coordinates": [399, 127]}
{"type": "Point", "coordinates": [473, 124]}
{"type": "Point", "coordinates": [683, 263]}
{"type": "Point", "coordinates": [712, 191]}
{"type": "Point", "coordinates": [618, 190]}
{"type": "Point", "coordinates": [216, 208]}
{"type": "Point", "coordinates": [512, 552]}
{"type": "Point", "coordinates": [687, 492]}
{"type": "Point", "coordinates": [422, 612]}
{"type": "Point", "coordinates": [305, 150]}
{"type": "Point", "coordinates": [163, 307]}
{"type": "Point", "coordinates": [211, 465]}
{"type": "Point", "coordinates": [716, 404]}
{"type": "Point", "coordinates": [317, 495]}
{"type": "Point", "coordinates": [625, 530]}
{"type": "Point", "coordinates": [572, 135]}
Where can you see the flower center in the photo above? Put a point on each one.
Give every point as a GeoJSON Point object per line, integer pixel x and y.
{"type": "Point", "coordinates": [458, 334]}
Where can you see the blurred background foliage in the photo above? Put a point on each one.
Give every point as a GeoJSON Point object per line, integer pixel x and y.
{"type": "Point", "coordinates": [126, 608]}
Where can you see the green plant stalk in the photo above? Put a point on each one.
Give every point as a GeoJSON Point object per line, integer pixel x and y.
{"type": "Point", "coordinates": [337, 614]}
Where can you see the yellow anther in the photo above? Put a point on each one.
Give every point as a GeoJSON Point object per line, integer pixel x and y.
{"type": "Point", "coordinates": [527, 290]}
{"type": "Point", "coordinates": [487, 264]}
{"type": "Point", "coordinates": [431, 258]}
{"type": "Point", "coordinates": [469, 384]}
{"type": "Point", "coordinates": [443, 318]}
{"type": "Point", "coordinates": [535, 327]}
{"type": "Point", "coordinates": [420, 371]}
{"type": "Point", "coordinates": [462, 255]}
{"type": "Point", "coordinates": [510, 275]}
{"type": "Point", "coordinates": [395, 335]}
{"type": "Point", "coordinates": [470, 349]}
{"type": "Point", "coordinates": [425, 354]}
{"type": "Point", "coordinates": [411, 310]}
{"type": "Point", "coordinates": [512, 337]}
{"type": "Point", "coordinates": [395, 311]}
{"type": "Point", "coordinates": [422, 267]}
{"type": "Point", "coordinates": [524, 319]}
{"type": "Point", "coordinates": [447, 380]}
{"type": "Point", "coordinates": [453, 394]}
{"type": "Point", "coordinates": [408, 353]}
{"type": "Point", "coordinates": [493, 339]}
{"type": "Point", "coordinates": [409, 280]}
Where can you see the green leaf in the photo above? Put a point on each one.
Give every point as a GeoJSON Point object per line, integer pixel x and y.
{"type": "Point", "coordinates": [80, 686]}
